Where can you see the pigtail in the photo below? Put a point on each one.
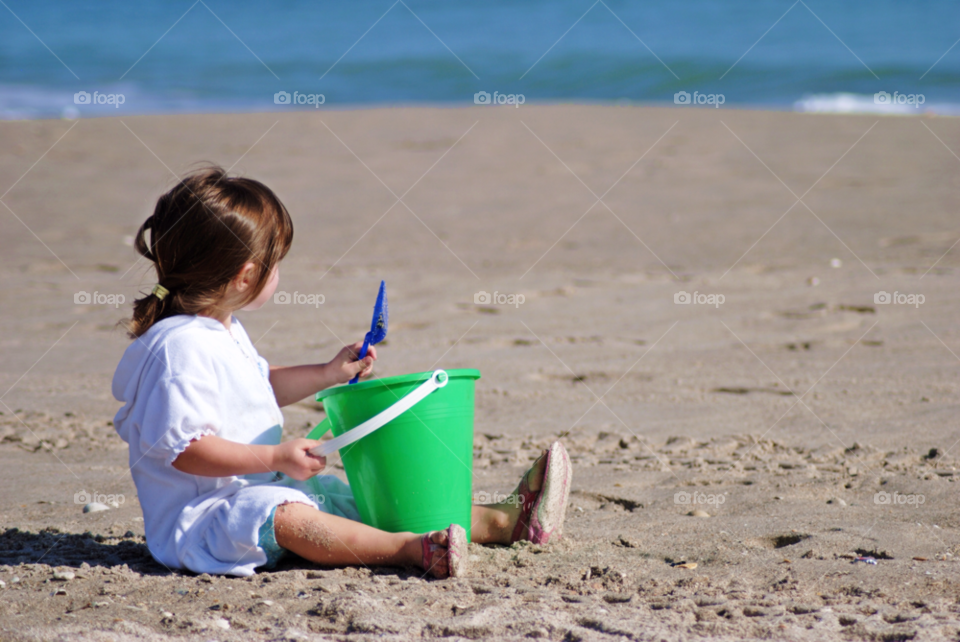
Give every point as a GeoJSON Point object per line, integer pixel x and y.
{"type": "Point", "coordinates": [149, 309]}
{"type": "Point", "coordinates": [146, 312]}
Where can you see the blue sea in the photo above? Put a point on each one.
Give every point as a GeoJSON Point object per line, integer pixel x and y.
{"type": "Point", "coordinates": [70, 59]}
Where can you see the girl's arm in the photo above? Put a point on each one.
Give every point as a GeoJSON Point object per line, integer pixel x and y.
{"type": "Point", "coordinates": [212, 456]}
{"type": "Point", "coordinates": [293, 383]}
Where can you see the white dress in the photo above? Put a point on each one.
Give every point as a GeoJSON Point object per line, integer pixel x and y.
{"type": "Point", "coordinates": [184, 378]}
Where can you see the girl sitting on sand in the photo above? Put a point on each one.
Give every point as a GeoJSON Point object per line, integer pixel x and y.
{"type": "Point", "coordinates": [220, 493]}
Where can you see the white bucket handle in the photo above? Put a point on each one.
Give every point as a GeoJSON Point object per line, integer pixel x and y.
{"type": "Point", "coordinates": [437, 380]}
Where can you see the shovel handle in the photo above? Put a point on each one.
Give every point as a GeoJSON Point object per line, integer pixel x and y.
{"type": "Point", "coordinates": [363, 353]}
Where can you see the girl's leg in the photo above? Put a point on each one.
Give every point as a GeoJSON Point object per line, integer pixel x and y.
{"type": "Point", "coordinates": [494, 523]}
{"type": "Point", "coordinates": [335, 541]}
{"type": "Point", "coordinates": [329, 540]}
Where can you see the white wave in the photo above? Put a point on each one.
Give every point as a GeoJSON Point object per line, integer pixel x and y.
{"type": "Point", "coordinates": [845, 103]}
{"type": "Point", "coordinates": [28, 102]}
{"type": "Point", "coordinates": [24, 102]}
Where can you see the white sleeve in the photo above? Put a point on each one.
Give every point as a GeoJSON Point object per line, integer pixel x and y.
{"type": "Point", "coordinates": [179, 410]}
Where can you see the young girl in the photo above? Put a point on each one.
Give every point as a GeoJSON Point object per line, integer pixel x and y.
{"type": "Point", "coordinates": [220, 493]}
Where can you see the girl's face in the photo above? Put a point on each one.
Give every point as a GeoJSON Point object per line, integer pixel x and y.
{"type": "Point", "coordinates": [267, 291]}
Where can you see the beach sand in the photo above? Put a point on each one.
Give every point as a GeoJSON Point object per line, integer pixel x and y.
{"type": "Point", "coordinates": [812, 424]}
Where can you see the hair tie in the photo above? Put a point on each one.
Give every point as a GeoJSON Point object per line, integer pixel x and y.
{"type": "Point", "coordinates": [160, 292]}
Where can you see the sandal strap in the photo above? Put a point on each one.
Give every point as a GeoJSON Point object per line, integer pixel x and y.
{"type": "Point", "coordinates": [528, 499]}
{"type": "Point", "coordinates": [427, 545]}
{"type": "Point", "coordinates": [431, 563]}
{"type": "Point", "coordinates": [523, 522]}
{"type": "Point", "coordinates": [450, 561]}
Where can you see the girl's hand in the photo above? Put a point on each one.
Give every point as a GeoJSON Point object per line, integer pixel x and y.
{"type": "Point", "coordinates": [345, 366]}
{"type": "Point", "coordinates": [292, 459]}
{"type": "Point", "coordinates": [293, 383]}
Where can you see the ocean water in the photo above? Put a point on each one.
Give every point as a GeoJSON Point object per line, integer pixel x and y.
{"type": "Point", "coordinates": [212, 55]}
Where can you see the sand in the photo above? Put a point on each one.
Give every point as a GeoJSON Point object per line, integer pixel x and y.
{"type": "Point", "coordinates": [811, 424]}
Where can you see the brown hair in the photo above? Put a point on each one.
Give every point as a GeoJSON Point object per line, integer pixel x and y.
{"type": "Point", "coordinates": [202, 232]}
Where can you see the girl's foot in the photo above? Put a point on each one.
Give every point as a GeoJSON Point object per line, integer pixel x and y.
{"type": "Point", "coordinates": [445, 552]}
{"type": "Point", "coordinates": [542, 495]}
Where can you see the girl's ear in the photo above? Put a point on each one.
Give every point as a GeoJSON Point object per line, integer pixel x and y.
{"type": "Point", "coordinates": [245, 277]}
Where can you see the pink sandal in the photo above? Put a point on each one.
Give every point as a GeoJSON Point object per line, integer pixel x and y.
{"type": "Point", "coordinates": [446, 561]}
{"type": "Point", "coordinates": [543, 511]}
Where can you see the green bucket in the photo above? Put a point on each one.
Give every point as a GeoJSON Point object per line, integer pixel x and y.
{"type": "Point", "coordinates": [415, 473]}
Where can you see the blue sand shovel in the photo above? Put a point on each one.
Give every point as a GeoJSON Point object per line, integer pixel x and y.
{"type": "Point", "coordinates": [378, 332]}
{"type": "Point", "coordinates": [378, 327]}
